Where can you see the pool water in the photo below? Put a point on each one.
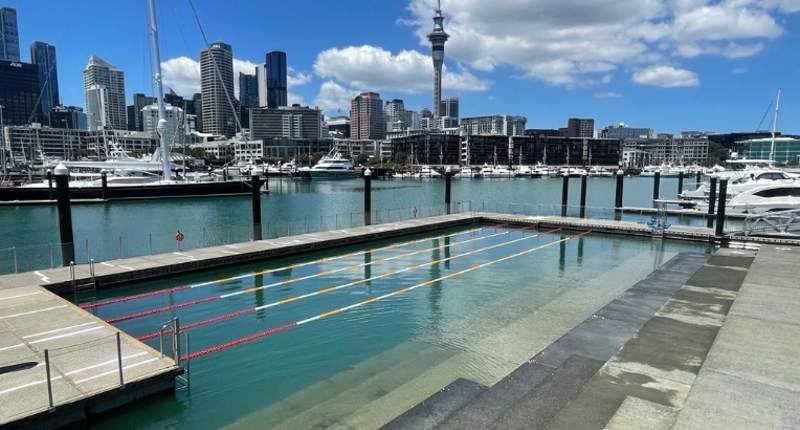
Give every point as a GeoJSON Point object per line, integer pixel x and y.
{"type": "Point", "coordinates": [381, 326]}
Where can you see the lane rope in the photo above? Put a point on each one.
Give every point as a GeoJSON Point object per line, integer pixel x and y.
{"type": "Point", "coordinates": [287, 282]}
{"type": "Point", "coordinates": [336, 288]}
{"type": "Point", "coordinates": [160, 292]}
{"type": "Point", "coordinates": [288, 326]}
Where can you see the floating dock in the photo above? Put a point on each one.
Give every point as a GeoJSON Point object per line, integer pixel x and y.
{"type": "Point", "coordinates": [60, 364]}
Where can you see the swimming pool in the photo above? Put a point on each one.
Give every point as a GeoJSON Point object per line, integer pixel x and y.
{"type": "Point", "coordinates": [356, 336]}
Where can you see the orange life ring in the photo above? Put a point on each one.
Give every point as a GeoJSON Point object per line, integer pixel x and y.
{"type": "Point", "coordinates": [179, 236]}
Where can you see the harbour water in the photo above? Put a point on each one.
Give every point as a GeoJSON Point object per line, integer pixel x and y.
{"type": "Point", "coordinates": [118, 229]}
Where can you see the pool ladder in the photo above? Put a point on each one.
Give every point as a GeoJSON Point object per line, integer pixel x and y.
{"type": "Point", "coordinates": [84, 292]}
{"type": "Point", "coordinates": [173, 327]}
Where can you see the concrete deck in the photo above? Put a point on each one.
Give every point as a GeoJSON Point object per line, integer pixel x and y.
{"type": "Point", "coordinates": [84, 362]}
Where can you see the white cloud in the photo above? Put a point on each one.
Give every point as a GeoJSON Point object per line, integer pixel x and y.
{"type": "Point", "coordinates": [607, 95]}
{"type": "Point", "coordinates": [569, 42]}
{"type": "Point", "coordinates": [666, 76]}
{"type": "Point", "coordinates": [739, 70]}
{"type": "Point", "coordinates": [371, 68]}
{"type": "Point", "coordinates": [334, 98]}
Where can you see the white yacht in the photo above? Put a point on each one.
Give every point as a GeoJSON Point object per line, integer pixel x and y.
{"type": "Point", "coordinates": [429, 172]}
{"type": "Point", "coordinates": [775, 197]}
{"type": "Point", "coordinates": [468, 172]}
{"type": "Point", "coordinates": [332, 166]}
{"type": "Point", "coordinates": [523, 172]}
{"type": "Point", "coordinates": [599, 171]}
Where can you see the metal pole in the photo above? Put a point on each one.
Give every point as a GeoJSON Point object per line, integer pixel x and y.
{"type": "Point", "coordinates": [119, 361]}
{"type": "Point", "coordinates": [367, 198]}
{"type": "Point", "coordinates": [657, 186]}
{"type": "Point", "coordinates": [64, 215]}
{"type": "Point", "coordinates": [50, 184]}
{"type": "Point", "coordinates": [723, 191]}
{"type": "Point", "coordinates": [176, 341]}
{"type": "Point", "coordinates": [49, 381]}
{"type": "Point", "coordinates": [584, 180]}
{"type": "Point", "coordinates": [448, 175]}
{"type": "Point", "coordinates": [680, 183]}
{"type": "Point", "coordinates": [618, 195]}
{"type": "Point", "coordinates": [256, 184]}
{"type": "Point", "coordinates": [104, 184]}
{"type": "Point", "coordinates": [564, 194]}
{"type": "Point", "coordinates": [697, 178]}
{"type": "Point", "coordinates": [712, 197]}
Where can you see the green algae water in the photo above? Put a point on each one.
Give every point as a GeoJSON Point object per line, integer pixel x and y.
{"type": "Point", "coordinates": [356, 336]}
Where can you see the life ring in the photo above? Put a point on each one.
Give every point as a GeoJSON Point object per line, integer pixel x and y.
{"type": "Point", "coordinates": [179, 236]}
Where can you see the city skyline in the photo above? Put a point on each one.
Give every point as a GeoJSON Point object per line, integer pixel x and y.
{"type": "Point", "coordinates": [704, 65]}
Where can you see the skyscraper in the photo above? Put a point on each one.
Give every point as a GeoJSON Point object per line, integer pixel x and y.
{"type": "Point", "coordinates": [248, 96]}
{"type": "Point", "coordinates": [449, 111]}
{"type": "Point", "coordinates": [19, 90]}
{"type": "Point", "coordinates": [276, 79]}
{"type": "Point", "coordinates": [99, 74]}
{"type": "Point", "coordinates": [261, 81]}
{"type": "Point", "coordinates": [9, 34]}
{"type": "Point", "coordinates": [135, 119]}
{"type": "Point", "coordinates": [217, 114]}
{"type": "Point", "coordinates": [437, 38]}
{"type": "Point", "coordinates": [366, 117]}
{"type": "Point", "coordinates": [44, 56]}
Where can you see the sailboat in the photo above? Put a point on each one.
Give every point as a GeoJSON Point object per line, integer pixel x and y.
{"type": "Point", "coordinates": [149, 187]}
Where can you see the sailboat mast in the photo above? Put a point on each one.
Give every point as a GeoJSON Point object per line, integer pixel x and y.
{"type": "Point", "coordinates": [162, 116]}
{"type": "Point", "coordinates": [774, 128]}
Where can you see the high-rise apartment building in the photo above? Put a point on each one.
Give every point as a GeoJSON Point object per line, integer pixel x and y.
{"type": "Point", "coordinates": [277, 88]}
{"type": "Point", "coordinates": [19, 91]}
{"type": "Point", "coordinates": [218, 116]}
{"type": "Point", "coordinates": [448, 108]}
{"type": "Point", "coordinates": [286, 122]}
{"type": "Point", "coordinates": [578, 127]}
{"type": "Point", "coordinates": [261, 83]}
{"type": "Point", "coordinates": [248, 96]}
{"type": "Point", "coordinates": [100, 74]}
{"type": "Point", "coordinates": [135, 122]}
{"type": "Point", "coordinates": [507, 125]}
{"type": "Point", "coordinates": [437, 38]}
{"type": "Point", "coordinates": [194, 107]}
{"type": "Point", "coordinates": [9, 34]}
{"type": "Point", "coordinates": [43, 55]}
{"type": "Point", "coordinates": [366, 117]}
{"type": "Point", "coordinates": [176, 126]}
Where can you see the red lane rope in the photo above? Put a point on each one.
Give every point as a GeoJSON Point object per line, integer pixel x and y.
{"type": "Point", "coordinates": [161, 309]}
{"type": "Point", "coordinates": [285, 327]}
{"type": "Point", "coordinates": [199, 323]}
{"type": "Point", "coordinates": [134, 297]}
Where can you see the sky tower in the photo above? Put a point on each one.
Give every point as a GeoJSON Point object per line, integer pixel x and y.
{"type": "Point", "coordinates": [438, 37]}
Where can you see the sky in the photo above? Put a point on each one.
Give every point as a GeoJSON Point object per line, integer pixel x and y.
{"type": "Point", "coordinates": [670, 65]}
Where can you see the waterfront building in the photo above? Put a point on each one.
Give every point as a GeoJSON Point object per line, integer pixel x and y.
{"type": "Point", "coordinates": [428, 147]}
{"type": "Point", "coordinates": [437, 37]}
{"type": "Point", "coordinates": [9, 34]}
{"type": "Point", "coordinates": [294, 122]}
{"type": "Point", "coordinates": [43, 55]}
{"type": "Point", "coordinates": [248, 96]}
{"type": "Point", "coordinates": [176, 123]}
{"type": "Point", "coordinates": [19, 92]}
{"type": "Point", "coordinates": [277, 86]}
{"type": "Point", "coordinates": [338, 127]}
{"type": "Point", "coordinates": [506, 125]}
{"type": "Point", "coordinates": [580, 127]}
{"type": "Point", "coordinates": [543, 132]}
{"type": "Point", "coordinates": [135, 122]}
{"type": "Point", "coordinates": [366, 117]}
{"type": "Point", "coordinates": [369, 147]}
{"type": "Point", "coordinates": [665, 148]}
{"type": "Point", "coordinates": [289, 148]}
{"type": "Point", "coordinates": [786, 149]}
{"type": "Point", "coordinates": [217, 116]}
{"type": "Point", "coordinates": [73, 143]}
{"type": "Point", "coordinates": [730, 140]}
{"type": "Point", "coordinates": [624, 132]}
{"type": "Point", "coordinates": [69, 117]}
{"type": "Point", "coordinates": [100, 74]}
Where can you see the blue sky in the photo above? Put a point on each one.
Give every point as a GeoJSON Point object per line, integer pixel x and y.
{"type": "Point", "coordinates": [670, 65]}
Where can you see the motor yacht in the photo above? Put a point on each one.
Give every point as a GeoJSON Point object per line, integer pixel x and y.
{"type": "Point", "coordinates": [332, 166]}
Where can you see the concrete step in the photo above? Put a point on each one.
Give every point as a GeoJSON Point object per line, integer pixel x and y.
{"type": "Point", "coordinates": [535, 409]}
{"type": "Point", "coordinates": [436, 408]}
{"type": "Point", "coordinates": [639, 414]}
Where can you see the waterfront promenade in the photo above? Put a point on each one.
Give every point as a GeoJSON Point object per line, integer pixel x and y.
{"type": "Point", "coordinates": [709, 342]}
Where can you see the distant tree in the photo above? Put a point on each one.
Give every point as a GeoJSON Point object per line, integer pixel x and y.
{"type": "Point", "coordinates": [717, 154]}
{"type": "Point", "coordinates": [362, 159]}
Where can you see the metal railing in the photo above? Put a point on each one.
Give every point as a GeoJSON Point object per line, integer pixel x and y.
{"type": "Point", "coordinates": [784, 223]}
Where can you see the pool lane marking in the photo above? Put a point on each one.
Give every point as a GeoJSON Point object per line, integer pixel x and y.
{"type": "Point", "coordinates": [288, 326]}
{"type": "Point", "coordinates": [290, 281]}
{"type": "Point", "coordinates": [332, 289]}
{"type": "Point", "coordinates": [263, 272]}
